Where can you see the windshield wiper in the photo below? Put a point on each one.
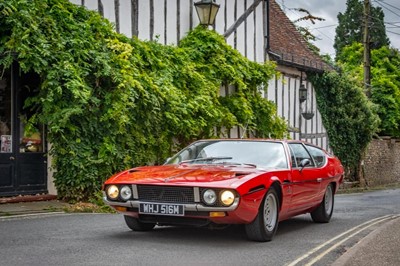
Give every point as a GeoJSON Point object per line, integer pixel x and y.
{"type": "Point", "coordinates": [239, 164]}
{"type": "Point", "coordinates": [207, 159]}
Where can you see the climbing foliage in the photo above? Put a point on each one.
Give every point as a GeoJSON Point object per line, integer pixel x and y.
{"type": "Point", "coordinates": [348, 116]}
{"type": "Point", "coordinates": [110, 102]}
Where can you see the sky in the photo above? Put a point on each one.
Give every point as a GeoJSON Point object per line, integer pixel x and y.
{"type": "Point", "coordinates": [329, 9]}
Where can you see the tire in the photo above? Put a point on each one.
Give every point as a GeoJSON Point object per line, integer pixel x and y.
{"type": "Point", "coordinates": [323, 213]}
{"type": "Point", "coordinates": [135, 225]}
{"type": "Point", "coordinates": [264, 226]}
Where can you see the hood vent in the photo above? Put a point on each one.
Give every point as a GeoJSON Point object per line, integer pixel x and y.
{"type": "Point", "coordinates": [255, 189]}
{"type": "Point", "coordinates": [133, 171]}
{"type": "Point", "coordinates": [240, 174]}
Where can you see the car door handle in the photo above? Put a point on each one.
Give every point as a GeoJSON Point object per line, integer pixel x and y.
{"type": "Point", "coordinates": [319, 179]}
{"type": "Point", "coordinates": [12, 158]}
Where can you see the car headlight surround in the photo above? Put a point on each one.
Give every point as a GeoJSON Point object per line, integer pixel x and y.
{"type": "Point", "coordinates": [227, 197]}
{"type": "Point", "coordinates": [125, 193]}
{"type": "Point", "coordinates": [113, 192]}
{"type": "Point", "coordinates": [209, 196]}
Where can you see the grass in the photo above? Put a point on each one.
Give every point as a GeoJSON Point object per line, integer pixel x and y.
{"type": "Point", "coordinates": [88, 207]}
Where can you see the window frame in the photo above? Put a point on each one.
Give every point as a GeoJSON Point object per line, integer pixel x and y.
{"type": "Point", "coordinates": [291, 150]}
{"type": "Point", "coordinates": [323, 153]}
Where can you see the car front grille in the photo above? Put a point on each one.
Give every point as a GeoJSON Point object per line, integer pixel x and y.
{"type": "Point", "coordinates": [167, 194]}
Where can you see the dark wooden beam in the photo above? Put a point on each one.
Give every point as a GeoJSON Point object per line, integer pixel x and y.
{"type": "Point", "coordinates": [135, 17]}
{"type": "Point", "coordinates": [242, 18]}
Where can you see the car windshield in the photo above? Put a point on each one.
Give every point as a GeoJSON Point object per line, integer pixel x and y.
{"type": "Point", "coordinates": [260, 154]}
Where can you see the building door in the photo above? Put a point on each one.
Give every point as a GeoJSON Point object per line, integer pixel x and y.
{"type": "Point", "coordinates": [23, 161]}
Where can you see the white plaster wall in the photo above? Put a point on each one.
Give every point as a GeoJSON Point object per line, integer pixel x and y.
{"type": "Point", "coordinates": [125, 27]}
{"type": "Point", "coordinates": [240, 32]}
{"type": "Point", "coordinates": [51, 188]}
{"type": "Point", "coordinates": [230, 20]}
{"type": "Point", "coordinates": [284, 92]}
{"type": "Point", "coordinates": [259, 33]}
{"type": "Point", "coordinates": [185, 18]}
{"type": "Point", "coordinates": [171, 22]}
{"type": "Point", "coordinates": [144, 20]}
{"type": "Point", "coordinates": [250, 38]}
{"type": "Point", "coordinates": [219, 20]}
{"type": "Point", "coordinates": [159, 21]}
{"type": "Point", "coordinates": [249, 35]}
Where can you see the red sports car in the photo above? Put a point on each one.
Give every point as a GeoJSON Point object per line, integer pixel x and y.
{"type": "Point", "coordinates": [229, 181]}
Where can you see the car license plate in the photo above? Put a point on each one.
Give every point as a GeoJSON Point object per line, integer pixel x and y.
{"type": "Point", "coordinates": [161, 209]}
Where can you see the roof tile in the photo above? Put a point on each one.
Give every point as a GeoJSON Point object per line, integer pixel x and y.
{"type": "Point", "coordinates": [288, 46]}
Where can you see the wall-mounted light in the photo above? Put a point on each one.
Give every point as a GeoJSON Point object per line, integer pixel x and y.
{"type": "Point", "coordinates": [206, 11]}
{"type": "Point", "coordinates": [302, 93]}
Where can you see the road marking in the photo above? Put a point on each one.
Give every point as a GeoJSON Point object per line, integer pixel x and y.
{"type": "Point", "coordinates": [342, 241]}
{"type": "Point", "coordinates": [363, 226]}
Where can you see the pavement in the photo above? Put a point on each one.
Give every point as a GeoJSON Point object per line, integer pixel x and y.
{"type": "Point", "coordinates": [380, 247]}
{"type": "Point", "coordinates": [27, 205]}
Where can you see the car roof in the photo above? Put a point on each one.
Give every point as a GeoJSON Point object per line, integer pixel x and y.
{"type": "Point", "coordinates": [256, 139]}
{"type": "Point", "coordinates": [263, 139]}
{"type": "Point", "coordinates": [242, 139]}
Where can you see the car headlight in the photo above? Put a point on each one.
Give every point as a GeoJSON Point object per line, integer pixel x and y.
{"type": "Point", "coordinates": [209, 197]}
{"type": "Point", "coordinates": [113, 192]}
{"type": "Point", "coordinates": [126, 192]}
{"type": "Point", "coordinates": [227, 197]}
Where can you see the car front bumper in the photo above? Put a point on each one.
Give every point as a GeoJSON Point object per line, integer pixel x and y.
{"type": "Point", "coordinates": [193, 207]}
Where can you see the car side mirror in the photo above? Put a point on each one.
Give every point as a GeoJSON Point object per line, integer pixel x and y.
{"type": "Point", "coordinates": [304, 163]}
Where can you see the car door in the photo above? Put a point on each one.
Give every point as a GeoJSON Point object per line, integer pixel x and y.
{"type": "Point", "coordinates": [305, 180]}
{"type": "Point", "coordinates": [320, 160]}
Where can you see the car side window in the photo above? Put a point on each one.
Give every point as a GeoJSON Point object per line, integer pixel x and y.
{"type": "Point", "coordinates": [299, 153]}
{"type": "Point", "coordinates": [293, 158]}
{"type": "Point", "coordinates": [318, 155]}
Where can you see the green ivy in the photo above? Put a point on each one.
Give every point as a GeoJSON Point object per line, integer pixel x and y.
{"type": "Point", "coordinates": [110, 102]}
{"type": "Point", "coordinates": [348, 116]}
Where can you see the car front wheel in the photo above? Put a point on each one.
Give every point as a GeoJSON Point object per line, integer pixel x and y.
{"type": "Point", "coordinates": [264, 227]}
{"type": "Point", "coordinates": [323, 213]}
{"type": "Point", "coordinates": [135, 225]}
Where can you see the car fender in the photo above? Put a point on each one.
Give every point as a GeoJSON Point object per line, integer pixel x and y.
{"type": "Point", "coordinates": [251, 200]}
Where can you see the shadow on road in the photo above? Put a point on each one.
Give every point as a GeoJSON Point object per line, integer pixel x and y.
{"type": "Point", "coordinates": [199, 235]}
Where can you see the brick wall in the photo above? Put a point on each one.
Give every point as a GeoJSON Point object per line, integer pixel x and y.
{"type": "Point", "coordinates": [382, 162]}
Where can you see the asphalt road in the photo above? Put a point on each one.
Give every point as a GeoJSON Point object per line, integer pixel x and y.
{"type": "Point", "coordinates": [104, 239]}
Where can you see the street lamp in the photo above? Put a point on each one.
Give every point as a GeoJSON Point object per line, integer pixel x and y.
{"type": "Point", "coordinates": [302, 93]}
{"type": "Point", "coordinates": [206, 11]}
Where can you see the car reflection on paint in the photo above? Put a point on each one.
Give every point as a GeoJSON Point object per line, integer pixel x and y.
{"type": "Point", "coordinates": [254, 182]}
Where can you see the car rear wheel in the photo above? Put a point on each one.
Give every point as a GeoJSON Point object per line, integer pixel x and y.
{"type": "Point", "coordinates": [323, 213]}
{"type": "Point", "coordinates": [135, 225]}
{"type": "Point", "coordinates": [264, 227]}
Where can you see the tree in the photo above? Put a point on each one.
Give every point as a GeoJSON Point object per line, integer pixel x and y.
{"type": "Point", "coordinates": [385, 82]}
{"type": "Point", "coordinates": [351, 24]}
